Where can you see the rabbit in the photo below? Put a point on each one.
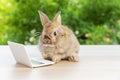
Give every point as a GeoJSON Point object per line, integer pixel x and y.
{"type": "Point", "coordinates": [57, 42]}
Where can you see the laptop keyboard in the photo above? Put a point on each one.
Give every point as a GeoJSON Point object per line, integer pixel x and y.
{"type": "Point", "coordinates": [36, 62]}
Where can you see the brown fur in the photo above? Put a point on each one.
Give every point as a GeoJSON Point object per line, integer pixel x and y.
{"type": "Point", "coordinates": [64, 45]}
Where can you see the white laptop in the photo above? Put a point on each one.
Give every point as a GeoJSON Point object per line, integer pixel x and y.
{"type": "Point", "coordinates": [20, 54]}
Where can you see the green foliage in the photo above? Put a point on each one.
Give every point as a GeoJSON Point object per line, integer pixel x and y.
{"type": "Point", "coordinates": [93, 21]}
{"type": "Point", "coordinates": [101, 11]}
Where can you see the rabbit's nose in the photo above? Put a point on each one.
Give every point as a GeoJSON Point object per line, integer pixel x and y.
{"type": "Point", "coordinates": [47, 39]}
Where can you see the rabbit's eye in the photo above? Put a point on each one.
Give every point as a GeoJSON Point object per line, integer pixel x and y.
{"type": "Point", "coordinates": [55, 33]}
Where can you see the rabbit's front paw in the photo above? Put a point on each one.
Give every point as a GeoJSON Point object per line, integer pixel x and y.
{"type": "Point", "coordinates": [73, 58]}
{"type": "Point", "coordinates": [56, 59]}
{"type": "Point", "coordinates": [45, 55]}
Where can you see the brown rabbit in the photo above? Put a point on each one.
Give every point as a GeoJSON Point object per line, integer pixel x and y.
{"type": "Point", "coordinates": [57, 42]}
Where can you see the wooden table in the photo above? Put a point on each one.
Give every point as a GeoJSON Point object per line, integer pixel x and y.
{"type": "Point", "coordinates": [96, 63]}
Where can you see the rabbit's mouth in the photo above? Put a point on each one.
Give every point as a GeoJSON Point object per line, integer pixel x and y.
{"type": "Point", "coordinates": [47, 41]}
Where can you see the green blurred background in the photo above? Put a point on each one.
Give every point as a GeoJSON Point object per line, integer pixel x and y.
{"type": "Point", "coordinates": [92, 21]}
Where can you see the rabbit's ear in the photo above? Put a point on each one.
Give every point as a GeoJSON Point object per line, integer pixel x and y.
{"type": "Point", "coordinates": [43, 17]}
{"type": "Point", "coordinates": [57, 18]}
